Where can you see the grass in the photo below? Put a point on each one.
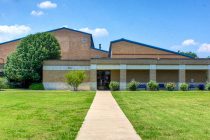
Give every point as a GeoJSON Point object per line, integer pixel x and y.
{"type": "Point", "coordinates": [167, 115]}
{"type": "Point", "coordinates": [39, 115]}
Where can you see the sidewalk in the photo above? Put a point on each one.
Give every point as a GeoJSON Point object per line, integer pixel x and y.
{"type": "Point", "coordinates": [106, 121]}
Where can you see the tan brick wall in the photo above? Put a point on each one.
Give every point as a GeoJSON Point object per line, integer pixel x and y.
{"type": "Point", "coordinates": [96, 54]}
{"type": "Point", "coordinates": [74, 46]}
{"type": "Point", "coordinates": [58, 76]}
{"type": "Point", "coordinates": [110, 61]}
{"type": "Point", "coordinates": [138, 75]}
{"type": "Point", "coordinates": [7, 49]}
{"type": "Point", "coordinates": [1, 61]}
{"type": "Point", "coordinates": [197, 75]}
{"type": "Point", "coordinates": [66, 63]}
{"type": "Point", "coordinates": [125, 49]}
{"type": "Point", "coordinates": [167, 76]}
{"type": "Point", "coordinates": [115, 75]}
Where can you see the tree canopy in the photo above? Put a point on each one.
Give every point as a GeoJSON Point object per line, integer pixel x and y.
{"type": "Point", "coordinates": [25, 64]}
{"type": "Point", "coordinates": [192, 54]}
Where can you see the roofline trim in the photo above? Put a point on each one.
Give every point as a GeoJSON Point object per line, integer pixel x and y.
{"type": "Point", "coordinates": [100, 50]}
{"type": "Point", "coordinates": [11, 41]}
{"type": "Point", "coordinates": [92, 44]}
{"type": "Point", "coordinates": [69, 30]}
{"type": "Point", "coordinates": [142, 44]}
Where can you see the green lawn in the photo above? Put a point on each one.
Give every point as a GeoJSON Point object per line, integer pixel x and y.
{"type": "Point", "coordinates": [42, 114]}
{"type": "Point", "coordinates": [167, 115]}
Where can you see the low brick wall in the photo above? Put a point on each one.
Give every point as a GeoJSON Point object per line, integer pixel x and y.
{"type": "Point", "coordinates": [54, 74]}
{"type": "Point", "coordinates": [64, 86]}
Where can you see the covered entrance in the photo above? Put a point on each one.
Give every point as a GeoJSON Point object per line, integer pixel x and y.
{"type": "Point", "coordinates": [103, 79]}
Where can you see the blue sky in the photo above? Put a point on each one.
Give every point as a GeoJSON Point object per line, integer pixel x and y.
{"type": "Point", "coordinates": [170, 24]}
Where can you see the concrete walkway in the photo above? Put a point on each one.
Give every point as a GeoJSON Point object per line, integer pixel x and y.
{"type": "Point", "coordinates": [106, 121]}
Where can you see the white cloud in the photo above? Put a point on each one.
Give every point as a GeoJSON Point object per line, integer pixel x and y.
{"type": "Point", "coordinates": [185, 44]}
{"type": "Point", "coordinates": [37, 13]}
{"type": "Point", "coordinates": [189, 42]}
{"type": "Point", "coordinates": [205, 47]}
{"type": "Point", "coordinates": [14, 29]}
{"type": "Point", "coordinates": [4, 38]}
{"type": "Point", "coordinates": [97, 32]}
{"type": "Point", "coordinates": [8, 32]}
{"type": "Point", "coordinates": [47, 5]}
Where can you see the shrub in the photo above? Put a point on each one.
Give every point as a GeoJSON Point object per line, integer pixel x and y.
{"type": "Point", "coordinates": [132, 85]}
{"type": "Point", "coordinates": [25, 64]}
{"type": "Point", "coordinates": [36, 86]}
{"type": "Point", "coordinates": [3, 83]}
{"type": "Point", "coordinates": [184, 86]}
{"type": "Point", "coordinates": [114, 85]}
{"type": "Point", "coordinates": [201, 87]}
{"type": "Point", "coordinates": [152, 85]}
{"type": "Point", "coordinates": [207, 86]}
{"type": "Point", "coordinates": [75, 78]}
{"type": "Point", "coordinates": [170, 86]}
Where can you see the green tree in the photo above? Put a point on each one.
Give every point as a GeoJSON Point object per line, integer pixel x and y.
{"type": "Point", "coordinates": [75, 78]}
{"type": "Point", "coordinates": [192, 54]}
{"type": "Point", "coordinates": [25, 64]}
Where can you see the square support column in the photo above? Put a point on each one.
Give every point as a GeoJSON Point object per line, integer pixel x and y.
{"type": "Point", "coordinates": [208, 74]}
{"type": "Point", "coordinates": [123, 72]}
{"type": "Point", "coordinates": [152, 72]}
{"type": "Point", "coordinates": [182, 74]}
{"type": "Point", "coordinates": [93, 77]}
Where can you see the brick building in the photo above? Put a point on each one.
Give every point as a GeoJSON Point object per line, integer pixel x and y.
{"type": "Point", "coordinates": [125, 60]}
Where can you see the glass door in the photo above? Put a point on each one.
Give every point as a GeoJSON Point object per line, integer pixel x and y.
{"type": "Point", "coordinates": [103, 79]}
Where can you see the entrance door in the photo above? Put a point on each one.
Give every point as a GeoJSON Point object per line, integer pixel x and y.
{"type": "Point", "coordinates": [103, 79]}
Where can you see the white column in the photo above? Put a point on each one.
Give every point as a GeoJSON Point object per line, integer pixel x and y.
{"type": "Point", "coordinates": [123, 77]}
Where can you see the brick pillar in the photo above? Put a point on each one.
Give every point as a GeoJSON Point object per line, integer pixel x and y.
{"type": "Point", "coordinates": [152, 72]}
{"type": "Point", "coordinates": [123, 77]}
{"type": "Point", "coordinates": [208, 74]}
{"type": "Point", "coordinates": [93, 77]}
{"type": "Point", "coordinates": [182, 74]}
